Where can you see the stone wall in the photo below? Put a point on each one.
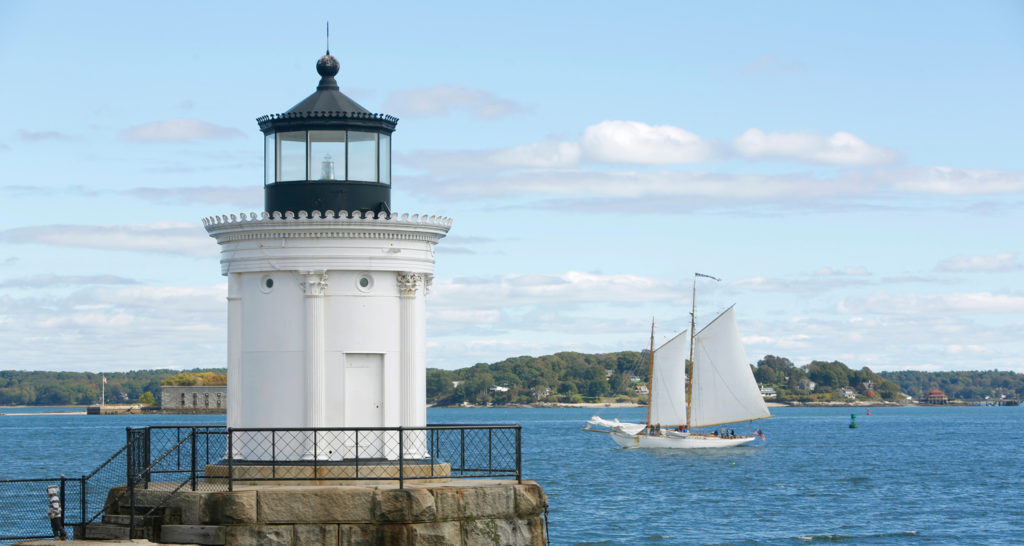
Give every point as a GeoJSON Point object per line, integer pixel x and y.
{"type": "Point", "coordinates": [194, 398]}
{"type": "Point", "coordinates": [466, 512]}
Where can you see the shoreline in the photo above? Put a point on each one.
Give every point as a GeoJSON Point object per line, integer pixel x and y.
{"type": "Point", "coordinates": [601, 405]}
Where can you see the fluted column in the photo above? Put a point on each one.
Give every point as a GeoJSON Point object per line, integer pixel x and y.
{"type": "Point", "coordinates": [421, 350]}
{"type": "Point", "coordinates": [413, 390]}
{"type": "Point", "coordinates": [234, 389]}
{"type": "Point", "coordinates": [315, 285]}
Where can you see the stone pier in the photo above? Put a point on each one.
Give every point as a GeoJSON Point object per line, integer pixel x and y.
{"type": "Point", "coordinates": [464, 512]}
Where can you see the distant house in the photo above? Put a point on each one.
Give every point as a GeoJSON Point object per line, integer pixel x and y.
{"type": "Point", "coordinates": [848, 393]}
{"type": "Point", "coordinates": [768, 392]}
{"type": "Point", "coordinates": [935, 396]}
{"type": "Point", "coordinates": [634, 379]}
{"type": "Point", "coordinates": [642, 390]}
{"type": "Point", "coordinates": [807, 385]}
{"type": "Point", "coordinates": [607, 374]}
{"type": "Point", "coordinates": [499, 388]}
{"type": "Point", "coordinates": [540, 392]}
{"type": "Point", "coordinates": [455, 384]}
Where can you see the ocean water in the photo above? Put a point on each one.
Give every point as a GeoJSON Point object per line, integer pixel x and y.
{"type": "Point", "coordinates": [906, 475]}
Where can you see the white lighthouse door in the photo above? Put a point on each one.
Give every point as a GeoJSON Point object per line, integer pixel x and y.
{"type": "Point", "coordinates": [364, 403]}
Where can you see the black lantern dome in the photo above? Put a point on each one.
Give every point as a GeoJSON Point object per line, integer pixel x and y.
{"type": "Point", "coordinates": [327, 152]}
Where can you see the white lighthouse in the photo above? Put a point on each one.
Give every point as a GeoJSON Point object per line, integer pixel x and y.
{"type": "Point", "coordinates": [326, 286]}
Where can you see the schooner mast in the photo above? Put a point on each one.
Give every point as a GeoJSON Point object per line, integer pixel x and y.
{"type": "Point", "coordinates": [693, 333]}
{"type": "Point", "coordinates": [650, 376]}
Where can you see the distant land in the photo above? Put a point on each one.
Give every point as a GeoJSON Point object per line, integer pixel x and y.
{"type": "Point", "coordinates": [23, 388]}
{"type": "Point", "coordinates": [561, 378]}
{"type": "Point", "coordinates": [578, 378]}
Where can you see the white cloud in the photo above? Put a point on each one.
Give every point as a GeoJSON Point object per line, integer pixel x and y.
{"type": "Point", "coordinates": [116, 328]}
{"type": "Point", "coordinates": [583, 184]}
{"type": "Point", "coordinates": [843, 272]}
{"type": "Point", "coordinates": [250, 196]}
{"type": "Point", "coordinates": [179, 129]}
{"type": "Point", "coordinates": [968, 349]}
{"type": "Point", "coordinates": [183, 238]}
{"type": "Point", "coordinates": [840, 148]}
{"type": "Point", "coordinates": [639, 143]}
{"type": "Point", "coordinates": [940, 304]}
{"type": "Point", "coordinates": [622, 142]}
{"type": "Point", "coordinates": [540, 154]}
{"type": "Point", "coordinates": [46, 281]}
{"type": "Point", "coordinates": [38, 136]}
{"type": "Point", "coordinates": [567, 288]}
{"type": "Point", "coordinates": [967, 264]}
{"type": "Point", "coordinates": [441, 100]}
{"type": "Point", "coordinates": [955, 181]}
{"type": "Point", "coordinates": [558, 169]}
{"type": "Point", "coordinates": [815, 284]}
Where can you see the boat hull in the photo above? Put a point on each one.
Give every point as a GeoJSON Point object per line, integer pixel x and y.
{"type": "Point", "coordinates": [692, 441]}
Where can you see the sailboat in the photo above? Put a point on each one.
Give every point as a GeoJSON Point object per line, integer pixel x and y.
{"type": "Point", "coordinates": [719, 389]}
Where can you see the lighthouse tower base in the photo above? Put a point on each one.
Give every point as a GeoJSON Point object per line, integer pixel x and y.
{"type": "Point", "coordinates": [326, 325]}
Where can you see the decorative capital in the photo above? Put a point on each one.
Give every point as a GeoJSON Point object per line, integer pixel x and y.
{"type": "Point", "coordinates": [315, 283]}
{"type": "Point", "coordinates": [409, 283]}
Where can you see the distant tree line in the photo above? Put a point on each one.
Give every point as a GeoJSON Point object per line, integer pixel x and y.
{"type": "Point", "coordinates": [973, 385]}
{"type": "Point", "coordinates": [576, 377]}
{"type": "Point", "coordinates": [565, 377]}
{"type": "Point", "coordinates": [821, 381]}
{"type": "Point", "coordinates": [194, 379]}
{"type": "Point", "coordinates": [24, 388]}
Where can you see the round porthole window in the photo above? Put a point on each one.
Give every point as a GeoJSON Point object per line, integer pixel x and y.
{"type": "Point", "coordinates": [364, 283]}
{"type": "Point", "coordinates": [267, 284]}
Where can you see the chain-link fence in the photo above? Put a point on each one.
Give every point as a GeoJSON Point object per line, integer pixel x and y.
{"type": "Point", "coordinates": [23, 507]}
{"type": "Point", "coordinates": [178, 454]}
{"type": "Point", "coordinates": [397, 453]}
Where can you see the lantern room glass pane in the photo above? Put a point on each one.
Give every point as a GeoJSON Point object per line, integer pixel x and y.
{"type": "Point", "coordinates": [385, 159]}
{"type": "Point", "coordinates": [362, 156]}
{"type": "Point", "coordinates": [291, 156]}
{"type": "Point", "coordinates": [327, 155]}
{"type": "Point", "coordinates": [269, 159]}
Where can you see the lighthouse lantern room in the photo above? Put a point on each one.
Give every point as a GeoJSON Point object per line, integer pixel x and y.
{"type": "Point", "coordinates": [326, 286]}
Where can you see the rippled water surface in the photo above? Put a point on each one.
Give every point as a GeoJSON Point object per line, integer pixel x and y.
{"type": "Point", "coordinates": [906, 475]}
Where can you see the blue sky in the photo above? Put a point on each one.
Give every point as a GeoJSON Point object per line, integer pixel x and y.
{"type": "Point", "coordinates": [853, 172]}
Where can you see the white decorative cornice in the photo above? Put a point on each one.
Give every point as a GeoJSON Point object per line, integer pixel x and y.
{"type": "Point", "coordinates": [314, 242]}
{"type": "Point", "coordinates": [250, 226]}
{"type": "Point", "coordinates": [328, 217]}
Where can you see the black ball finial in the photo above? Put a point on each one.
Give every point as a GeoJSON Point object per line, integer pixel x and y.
{"type": "Point", "coordinates": [327, 66]}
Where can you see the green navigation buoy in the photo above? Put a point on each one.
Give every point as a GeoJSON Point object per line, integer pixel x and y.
{"type": "Point", "coordinates": [853, 420]}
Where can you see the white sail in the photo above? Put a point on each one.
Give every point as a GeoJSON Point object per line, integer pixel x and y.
{"type": "Point", "coordinates": [724, 389]}
{"type": "Point", "coordinates": [668, 394]}
{"type": "Point", "coordinates": [628, 428]}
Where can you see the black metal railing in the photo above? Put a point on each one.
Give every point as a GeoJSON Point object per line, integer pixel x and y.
{"type": "Point", "coordinates": [358, 453]}
{"type": "Point", "coordinates": [170, 459]}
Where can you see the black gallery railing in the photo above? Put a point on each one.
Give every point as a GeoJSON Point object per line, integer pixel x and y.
{"type": "Point", "coordinates": [397, 453]}
{"type": "Point", "coordinates": [170, 459]}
